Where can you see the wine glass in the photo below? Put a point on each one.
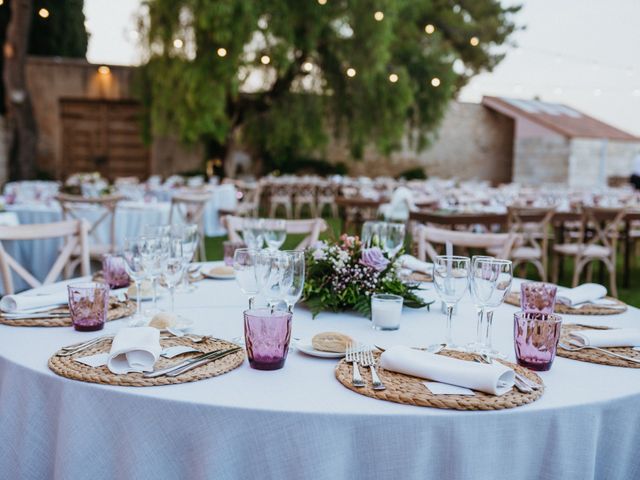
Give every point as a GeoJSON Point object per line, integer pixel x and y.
{"type": "Point", "coordinates": [392, 237]}
{"type": "Point", "coordinates": [134, 266]}
{"type": "Point", "coordinates": [155, 251]}
{"type": "Point", "coordinates": [292, 282]}
{"type": "Point", "coordinates": [451, 279]}
{"type": "Point", "coordinates": [244, 267]}
{"type": "Point", "coordinates": [478, 301]}
{"type": "Point", "coordinates": [156, 230]}
{"type": "Point", "coordinates": [370, 234]}
{"type": "Point", "coordinates": [275, 233]}
{"type": "Point", "coordinates": [252, 233]}
{"type": "Point", "coordinates": [502, 271]}
{"type": "Point", "coordinates": [173, 268]}
{"type": "Point", "coordinates": [188, 237]}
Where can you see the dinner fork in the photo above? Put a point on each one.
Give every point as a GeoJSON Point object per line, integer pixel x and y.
{"type": "Point", "coordinates": [366, 359]}
{"type": "Point", "coordinates": [572, 347]}
{"type": "Point", "coordinates": [352, 357]}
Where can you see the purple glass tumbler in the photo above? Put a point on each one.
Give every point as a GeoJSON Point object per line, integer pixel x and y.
{"type": "Point", "coordinates": [229, 249]}
{"type": "Point", "coordinates": [536, 338]}
{"type": "Point", "coordinates": [114, 271]}
{"type": "Point", "coordinates": [267, 335]}
{"type": "Point", "coordinates": [88, 305]}
{"type": "Point", "coordinates": [538, 297]}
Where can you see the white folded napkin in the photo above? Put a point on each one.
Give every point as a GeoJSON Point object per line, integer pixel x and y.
{"type": "Point", "coordinates": [29, 301]}
{"type": "Point", "coordinates": [587, 292]}
{"type": "Point", "coordinates": [134, 349]}
{"type": "Point", "coordinates": [615, 337]}
{"type": "Point", "coordinates": [494, 379]}
{"type": "Point", "coordinates": [412, 263]}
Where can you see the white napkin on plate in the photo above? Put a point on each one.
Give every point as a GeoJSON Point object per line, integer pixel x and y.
{"type": "Point", "coordinates": [495, 379]}
{"type": "Point", "coordinates": [615, 337]}
{"type": "Point", "coordinates": [588, 292]}
{"type": "Point", "coordinates": [134, 349]}
{"type": "Point", "coordinates": [412, 263]}
{"type": "Point", "coordinates": [30, 302]}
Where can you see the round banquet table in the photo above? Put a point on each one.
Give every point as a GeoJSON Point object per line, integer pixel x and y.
{"type": "Point", "coordinates": [300, 422]}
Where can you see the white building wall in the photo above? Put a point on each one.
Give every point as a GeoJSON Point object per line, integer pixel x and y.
{"type": "Point", "coordinates": [586, 155]}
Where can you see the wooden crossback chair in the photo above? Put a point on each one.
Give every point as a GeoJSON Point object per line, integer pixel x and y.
{"type": "Point", "coordinates": [313, 227]}
{"type": "Point", "coordinates": [190, 208]}
{"type": "Point", "coordinates": [72, 209]}
{"type": "Point", "coordinates": [597, 241]}
{"type": "Point", "coordinates": [503, 243]}
{"type": "Point", "coordinates": [75, 233]}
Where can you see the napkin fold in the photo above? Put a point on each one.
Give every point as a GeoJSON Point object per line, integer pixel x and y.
{"type": "Point", "coordinates": [495, 379]}
{"type": "Point", "coordinates": [615, 337]}
{"type": "Point", "coordinates": [134, 349]}
{"type": "Point", "coordinates": [416, 265]}
{"type": "Point", "coordinates": [587, 292]}
{"type": "Point", "coordinates": [26, 302]}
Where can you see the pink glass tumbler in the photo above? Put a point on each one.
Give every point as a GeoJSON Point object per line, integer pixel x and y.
{"type": "Point", "coordinates": [229, 249]}
{"type": "Point", "coordinates": [88, 305]}
{"type": "Point", "coordinates": [114, 271]}
{"type": "Point", "coordinates": [267, 335]}
{"type": "Point", "coordinates": [538, 297]}
{"type": "Point", "coordinates": [536, 338]}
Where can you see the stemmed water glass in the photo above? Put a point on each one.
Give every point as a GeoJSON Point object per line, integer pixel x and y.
{"type": "Point", "coordinates": [392, 237]}
{"type": "Point", "coordinates": [370, 232]}
{"type": "Point", "coordinates": [451, 279]}
{"type": "Point", "coordinates": [188, 237]}
{"type": "Point", "coordinates": [244, 267]}
{"type": "Point", "coordinates": [134, 266]}
{"type": "Point", "coordinates": [292, 279]}
{"type": "Point", "coordinates": [154, 251]}
{"type": "Point", "coordinates": [173, 268]}
{"type": "Point", "coordinates": [252, 233]}
{"type": "Point", "coordinates": [274, 232]}
{"type": "Point", "coordinates": [475, 287]}
{"type": "Point", "coordinates": [500, 273]}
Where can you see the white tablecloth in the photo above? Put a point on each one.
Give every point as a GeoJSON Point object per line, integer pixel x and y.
{"type": "Point", "coordinates": [300, 422]}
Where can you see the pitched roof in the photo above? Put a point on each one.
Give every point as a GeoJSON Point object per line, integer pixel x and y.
{"type": "Point", "coordinates": [560, 118]}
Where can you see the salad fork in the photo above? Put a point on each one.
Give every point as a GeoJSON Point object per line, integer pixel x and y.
{"type": "Point", "coordinates": [367, 361]}
{"type": "Point", "coordinates": [352, 358]}
{"type": "Point", "coordinates": [574, 347]}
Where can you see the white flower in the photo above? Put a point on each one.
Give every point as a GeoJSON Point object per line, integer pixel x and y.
{"type": "Point", "coordinates": [319, 254]}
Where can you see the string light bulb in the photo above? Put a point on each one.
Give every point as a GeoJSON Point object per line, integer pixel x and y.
{"type": "Point", "coordinates": [474, 41]}
{"type": "Point", "coordinates": [104, 70]}
{"type": "Point", "coordinates": [435, 82]}
{"type": "Point", "coordinates": [393, 78]}
{"type": "Point", "coordinates": [429, 29]}
{"type": "Point", "coordinates": [322, 2]}
{"type": "Point", "coordinates": [265, 60]}
{"type": "Point", "coordinates": [222, 52]}
{"type": "Point", "coordinates": [307, 67]}
{"type": "Point", "coordinates": [43, 12]}
{"type": "Point", "coordinates": [379, 16]}
{"type": "Point", "coordinates": [178, 43]}
{"type": "Point", "coordinates": [351, 72]}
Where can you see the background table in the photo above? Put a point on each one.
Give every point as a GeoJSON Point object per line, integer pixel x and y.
{"type": "Point", "coordinates": [300, 422]}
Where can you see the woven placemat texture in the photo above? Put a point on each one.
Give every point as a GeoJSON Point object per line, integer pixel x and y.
{"type": "Point", "coordinates": [117, 309]}
{"type": "Point", "coordinates": [594, 356]}
{"type": "Point", "coordinates": [514, 299]}
{"type": "Point", "coordinates": [411, 391]}
{"type": "Point", "coordinates": [69, 368]}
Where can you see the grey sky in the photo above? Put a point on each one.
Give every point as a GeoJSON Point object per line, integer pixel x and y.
{"type": "Point", "coordinates": [585, 53]}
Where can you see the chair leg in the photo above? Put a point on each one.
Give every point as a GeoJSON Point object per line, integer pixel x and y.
{"type": "Point", "coordinates": [272, 210]}
{"type": "Point", "coordinates": [578, 265]}
{"type": "Point", "coordinates": [555, 268]}
{"type": "Point", "coordinates": [590, 272]}
{"type": "Point", "coordinates": [613, 287]}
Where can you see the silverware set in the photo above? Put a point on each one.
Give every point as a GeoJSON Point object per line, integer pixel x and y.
{"type": "Point", "coordinates": [186, 365]}
{"type": "Point", "coordinates": [363, 355]}
{"type": "Point", "coordinates": [576, 347]}
{"type": "Point", "coordinates": [522, 383]}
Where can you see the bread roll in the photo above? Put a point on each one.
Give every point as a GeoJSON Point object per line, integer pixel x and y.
{"type": "Point", "coordinates": [163, 320]}
{"type": "Point", "coordinates": [331, 342]}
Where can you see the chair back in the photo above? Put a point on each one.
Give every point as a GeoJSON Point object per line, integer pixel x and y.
{"type": "Point", "coordinates": [76, 207]}
{"type": "Point", "coordinates": [190, 208]}
{"type": "Point", "coordinates": [427, 236]}
{"type": "Point", "coordinates": [75, 234]}
{"type": "Point", "coordinates": [313, 227]}
{"type": "Point", "coordinates": [601, 226]}
{"type": "Point", "coordinates": [532, 223]}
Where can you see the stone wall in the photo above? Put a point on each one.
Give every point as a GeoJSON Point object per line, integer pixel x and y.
{"type": "Point", "coordinates": [541, 160]}
{"type": "Point", "coordinates": [586, 155]}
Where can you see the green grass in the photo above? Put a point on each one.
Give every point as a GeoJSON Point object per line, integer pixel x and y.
{"type": "Point", "coordinates": [629, 295]}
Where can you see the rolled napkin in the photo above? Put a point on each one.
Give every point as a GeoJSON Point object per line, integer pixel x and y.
{"type": "Point", "coordinates": [495, 379]}
{"type": "Point", "coordinates": [31, 302]}
{"type": "Point", "coordinates": [412, 263]}
{"type": "Point", "coordinates": [134, 350]}
{"type": "Point", "coordinates": [615, 337]}
{"type": "Point", "coordinates": [588, 292]}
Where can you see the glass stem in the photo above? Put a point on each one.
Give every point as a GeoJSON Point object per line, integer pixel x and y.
{"type": "Point", "coordinates": [138, 299]}
{"type": "Point", "coordinates": [479, 329]}
{"type": "Point", "coordinates": [487, 338]}
{"type": "Point", "coordinates": [173, 302]}
{"type": "Point", "coordinates": [154, 282]}
{"type": "Point", "coordinates": [449, 337]}
{"type": "Point", "coordinates": [251, 299]}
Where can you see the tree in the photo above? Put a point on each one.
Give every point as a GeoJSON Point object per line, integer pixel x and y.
{"type": "Point", "coordinates": [46, 27]}
{"type": "Point", "coordinates": [275, 74]}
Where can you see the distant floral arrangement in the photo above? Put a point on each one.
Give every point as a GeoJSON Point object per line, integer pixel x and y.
{"type": "Point", "coordinates": [87, 184]}
{"type": "Point", "coordinates": [343, 275]}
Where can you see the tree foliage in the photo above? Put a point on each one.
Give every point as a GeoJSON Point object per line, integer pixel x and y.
{"type": "Point", "coordinates": [276, 74]}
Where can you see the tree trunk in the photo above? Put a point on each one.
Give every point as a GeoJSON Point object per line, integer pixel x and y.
{"type": "Point", "coordinates": [22, 129]}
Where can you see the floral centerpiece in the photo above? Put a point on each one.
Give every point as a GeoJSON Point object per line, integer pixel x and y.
{"type": "Point", "coordinates": [343, 275]}
{"type": "Point", "coordinates": [86, 184]}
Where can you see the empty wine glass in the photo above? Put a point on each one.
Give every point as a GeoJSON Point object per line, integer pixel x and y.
{"type": "Point", "coordinates": [392, 237]}
{"type": "Point", "coordinates": [188, 237]}
{"type": "Point", "coordinates": [173, 268]}
{"type": "Point", "coordinates": [451, 279]}
{"type": "Point", "coordinates": [502, 271]}
{"type": "Point", "coordinates": [252, 233]}
{"type": "Point", "coordinates": [370, 234]}
{"type": "Point", "coordinates": [275, 233]}
{"type": "Point", "coordinates": [155, 251]}
{"type": "Point", "coordinates": [292, 282]}
{"type": "Point", "coordinates": [244, 267]}
{"type": "Point", "coordinates": [156, 230]}
{"type": "Point", "coordinates": [478, 301]}
{"type": "Point", "coordinates": [134, 266]}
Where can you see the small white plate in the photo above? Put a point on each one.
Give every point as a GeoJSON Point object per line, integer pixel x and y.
{"type": "Point", "coordinates": [206, 271]}
{"type": "Point", "coordinates": [305, 347]}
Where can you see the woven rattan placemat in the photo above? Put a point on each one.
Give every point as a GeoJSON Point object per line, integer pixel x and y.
{"type": "Point", "coordinates": [514, 299]}
{"type": "Point", "coordinates": [69, 368]}
{"type": "Point", "coordinates": [594, 356]}
{"type": "Point", "coordinates": [117, 309]}
{"type": "Point", "coordinates": [411, 391]}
